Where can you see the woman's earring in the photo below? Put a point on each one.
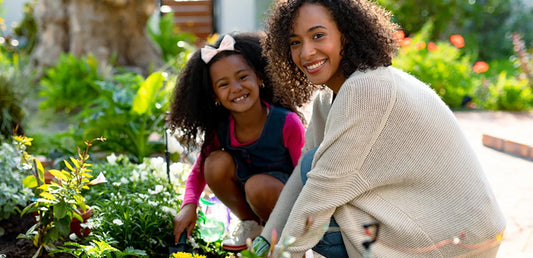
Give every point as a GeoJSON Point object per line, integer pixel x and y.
{"type": "Point", "coordinates": [217, 103]}
{"type": "Point", "coordinates": [262, 86]}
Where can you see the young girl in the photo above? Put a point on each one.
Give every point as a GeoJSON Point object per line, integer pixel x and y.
{"type": "Point", "coordinates": [252, 138]}
{"type": "Point", "coordinates": [381, 146]}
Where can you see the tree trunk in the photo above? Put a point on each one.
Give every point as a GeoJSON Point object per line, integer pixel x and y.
{"type": "Point", "coordinates": [99, 27]}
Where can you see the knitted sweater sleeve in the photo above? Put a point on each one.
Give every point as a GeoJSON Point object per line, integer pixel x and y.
{"type": "Point", "coordinates": [356, 118]}
{"type": "Point", "coordinates": [292, 188]}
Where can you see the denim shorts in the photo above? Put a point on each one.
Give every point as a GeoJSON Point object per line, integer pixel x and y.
{"type": "Point", "coordinates": [243, 173]}
{"type": "Point", "coordinates": [331, 244]}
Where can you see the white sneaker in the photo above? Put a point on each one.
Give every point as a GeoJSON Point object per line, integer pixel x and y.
{"type": "Point", "coordinates": [236, 241]}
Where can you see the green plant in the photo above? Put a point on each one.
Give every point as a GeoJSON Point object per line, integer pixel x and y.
{"type": "Point", "coordinates": [441, 65]}
{"type": "Point", "coordinates": [71, 84]}
{"type": "Point", "coordinates": [59, 201]}
{"type": "Point", "coordinates": [12, 168]}
{"type": "Point", "coordinates": [128, 111]}
{"type": "Point", "coordinates": [27, 28]}
{"type": "Point", "coordinates": [505, 93]}
{"type": "Point", "coordinates": [15, 78]}
{"type": "Point", "coordinates": [97, 248]}
{"type": "Point", "coordinates": [172, 44]}
{"type": "Point", "coordinates": [137, 206]}
{"type": "Point", "coordinates": [485, 24]}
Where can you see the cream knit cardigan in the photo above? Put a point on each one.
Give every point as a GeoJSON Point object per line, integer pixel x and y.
{"type": "Point", "coordinates": [389, 151]}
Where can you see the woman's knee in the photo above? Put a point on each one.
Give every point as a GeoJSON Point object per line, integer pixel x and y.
{"type": "Point", "coordinates": [219, 165]}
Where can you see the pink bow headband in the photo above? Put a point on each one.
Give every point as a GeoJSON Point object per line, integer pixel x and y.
{"type": "Point", "coordinates": [209, 52]}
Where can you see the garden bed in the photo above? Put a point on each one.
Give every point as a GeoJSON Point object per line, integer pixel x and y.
{"type": "Point", "coordinates": [10, 246]}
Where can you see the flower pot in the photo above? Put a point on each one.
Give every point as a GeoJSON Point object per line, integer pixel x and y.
{"type": "Point", "coordinates": [75, 225]}
{"type": "Point", "coordinates": [48, 177]}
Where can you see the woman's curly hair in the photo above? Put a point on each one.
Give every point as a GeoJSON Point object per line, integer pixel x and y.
{"type": "Point", "coordinates": [366, 28]}
{"type": "Point", "coordinates": [193, 111]}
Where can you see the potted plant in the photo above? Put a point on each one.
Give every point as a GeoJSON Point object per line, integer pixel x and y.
{"type": "Point", "coordinates": [60, 201]}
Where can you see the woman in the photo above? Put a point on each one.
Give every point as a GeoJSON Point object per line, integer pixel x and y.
{"type": "Point", "coordinates": [381, 146]}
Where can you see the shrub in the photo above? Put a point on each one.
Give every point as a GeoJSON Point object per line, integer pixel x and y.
{"type": "Point", "coordinates": [57, 202]}
{"type": "Point", "coordinates": [505, 93]}
{"type": "Point", "coordinates": [441, 65]}
{"type": "Point", "coordinates": [71, 84]}
{"type": "Point", "coordinates": [13, 194]}
{"type": "Point", "coordinates": [128, 110]}
{"type": "Point", "coordinates": [15, 80]}
{"type": "Point", "coordinates": [137, 206]}
{"type": "Point", "coordinates": [172, 44]}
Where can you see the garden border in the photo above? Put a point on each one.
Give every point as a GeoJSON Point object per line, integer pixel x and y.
{"type": "Point", "coordinates": [507, 146]}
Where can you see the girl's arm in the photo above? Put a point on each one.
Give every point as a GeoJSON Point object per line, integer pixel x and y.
{"type": "Point", "coordinates": [195, 184]}
{"type": "Point", "coordinates": [293, 136]}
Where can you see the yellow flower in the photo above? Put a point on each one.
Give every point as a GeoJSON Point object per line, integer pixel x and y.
{"type": "Point", "coordinates": [187, 255]}
{"type": "Point", "coordinates": [212, 39]}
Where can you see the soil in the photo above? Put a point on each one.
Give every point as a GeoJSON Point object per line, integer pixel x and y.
{"type": "Point", "coordinates": [11, 247]}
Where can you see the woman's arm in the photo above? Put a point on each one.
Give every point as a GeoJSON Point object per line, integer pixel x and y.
{"type": "Point", "coordinates": [355, 120]}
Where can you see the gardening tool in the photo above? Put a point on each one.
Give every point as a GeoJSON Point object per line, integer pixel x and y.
{"type": "Point", "coordinates": [167, 154]}
{"type": "Point", "coordinates": [181, 246]}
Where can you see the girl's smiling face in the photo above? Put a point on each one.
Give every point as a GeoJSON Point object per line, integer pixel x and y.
{"type": "Point", "coordinates": [235, 84]}
{"type": "Point", "coordinates": [316, 44]}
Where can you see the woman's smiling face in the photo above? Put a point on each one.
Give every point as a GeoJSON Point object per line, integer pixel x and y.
{"type": "Point", "coordinates": [316, 44]}
{"type": "Point", "coordinates": [235, 83]}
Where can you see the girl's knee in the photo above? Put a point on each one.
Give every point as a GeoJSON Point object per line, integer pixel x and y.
{"type": "Point", "coordinates": [219, 165]}
{"type": "Point", "coordinates": [261, 189]}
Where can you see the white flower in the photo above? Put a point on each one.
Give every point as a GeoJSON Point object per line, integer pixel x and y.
{"type": "Point", "coordinates": [135, 175]}
{"type": "Point", "coordinates": [152, 203]}
{"type": "Point", "coordinates": [169, 210]}
{"type": "Point", "coordinates": [117, 183]}
{"type": "Point", "coordinates": [118, 222]}
{"type": "Point", "coordinates": [193, 243]}
{"type": "Point", "coordinates": [158, 189]}
{"type": "Point", "coordinates": [99, 179]}
{"type": "Point", "coordinates": [73, 237]}
{"type": "Point", "coordinates": [173, 145]}
{"type": "Point", "coordinates": [112, 159]}
{"type": "Point", "coordinates": [124, 180]}
{"type": "Point", "coordinates": [158, 164]}
{"type": "Point", "coordinates": [26, 166]}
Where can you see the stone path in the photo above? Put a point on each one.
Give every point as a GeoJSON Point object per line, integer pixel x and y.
{"type": "Point", "coordinates": [510, 175]}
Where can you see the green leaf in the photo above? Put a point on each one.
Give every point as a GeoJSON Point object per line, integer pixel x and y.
{"type": "Point", "coordinates": [60, 210]}
{"type": "Point", "coordinates": [75, 162]}
{"type": "Point", "coordinates": [30, 181]}
{"type": "Point", "coordinates": [29, 208]}
{"type": "Point", "coordinates": [63, 225]}
{"type": "Point", "coordinates": [68, 165]}
{"type": "Point", "coordinates": [58, 174]}
{"type": "Point", "coordinates": [146, 96]}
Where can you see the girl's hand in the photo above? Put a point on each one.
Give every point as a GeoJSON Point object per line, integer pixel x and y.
{"type": "Point", "coordinates": [185, 219]}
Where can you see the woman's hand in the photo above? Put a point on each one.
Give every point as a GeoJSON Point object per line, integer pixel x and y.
{"type": "Point", "coordinates": [185, 219]}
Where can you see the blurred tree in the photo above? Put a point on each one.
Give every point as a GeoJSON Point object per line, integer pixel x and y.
{"type": "Point", "coordinates": [104, 28]}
